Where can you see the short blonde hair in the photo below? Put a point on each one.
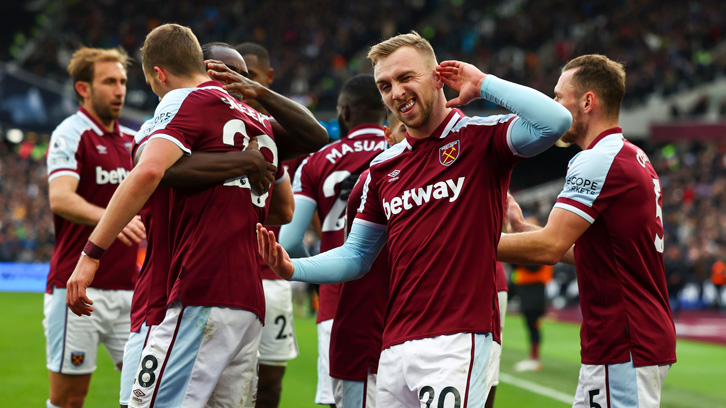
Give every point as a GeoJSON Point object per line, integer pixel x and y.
{"type": "Point", "coordinates": [391, 45]}
{"type": "Point", "coordinates": [81, 67]}
{"type": "Point", "coordinates": [175, 48]}
{"type": "Point", "coordinates": [601, 75]}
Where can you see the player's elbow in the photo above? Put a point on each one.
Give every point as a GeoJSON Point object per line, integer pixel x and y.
{"type": "Point", "coordinates": [561, 121]}
{"type": "Point", "coordinates": [148, 174]}
{"type": "Point", "coordinates": [318, 137]}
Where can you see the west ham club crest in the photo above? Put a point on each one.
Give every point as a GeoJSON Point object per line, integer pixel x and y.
{"type": "Point", "coordinates": [449, 153]}
{"type": "Point", "coordinates": [77, 358]}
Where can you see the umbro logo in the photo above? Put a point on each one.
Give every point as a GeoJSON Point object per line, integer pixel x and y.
{"type": "Point", "coordinates": [139, 393]}
{"type": "Point", "coordinates": [393, 175]}
{"type": "Point", "coordinates": [102, 149]}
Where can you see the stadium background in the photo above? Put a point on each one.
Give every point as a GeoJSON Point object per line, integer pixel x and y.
{"type": "Point", "coordinates": [675, 108]}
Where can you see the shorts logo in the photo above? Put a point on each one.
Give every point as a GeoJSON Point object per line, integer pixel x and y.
{"type": "Point", "coordinates": [449, 153]}
{"type": "Point", "coordinates": [139, 393]}
{"type": "Point", "coordinates": [77, 358]}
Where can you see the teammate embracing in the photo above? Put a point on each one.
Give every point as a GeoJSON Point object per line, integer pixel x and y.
{"type": "Point", "coordinates": [205, 349]}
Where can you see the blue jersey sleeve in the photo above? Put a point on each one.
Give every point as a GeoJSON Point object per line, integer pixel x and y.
{"type": "Point", "coordinates": [541, 122]}
{"type": "Point", "coordinates": [291, 235]}
{"type": "Point", "coordinates": [345, 263]}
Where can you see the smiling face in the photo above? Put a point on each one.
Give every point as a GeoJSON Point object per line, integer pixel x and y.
{"type": "Point", "coordinates": [408, 86]}
{"type": "Point", "coordinates": [107, 91]}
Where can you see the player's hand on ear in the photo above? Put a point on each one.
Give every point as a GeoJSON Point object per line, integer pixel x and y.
{"type": "Point", "coordinates": [80, 279]}
{"type": "Point", "coordinates": [273, 253]}
{"type": "Point", "coordinates": [232, 81]}
{"type": "Point", "coordinates": [463, 77]}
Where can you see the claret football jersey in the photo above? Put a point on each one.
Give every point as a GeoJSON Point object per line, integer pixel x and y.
{"type": "Point", "coordinates": [150, 294]}
{"type": "Point", "coordinates": [317, 180]}
{"type": "Point", "coordinates": [619, 259]}
{"type": "Point", "coordinates": [212, 230]}
{"type": "Point", "coordinates": [441, 202]}
{"type": "Point", "coordinates": [80, 147]}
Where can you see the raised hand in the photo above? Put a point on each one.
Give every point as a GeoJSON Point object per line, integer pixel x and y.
{"type": "Point", "coordinates": [463, 77]}
{"type": "Point", "coordinates": [273, 253]}
{"type": "Point", "coordinates": [233, 82]}
{"type": "Point", "coordinates": [81, 278]}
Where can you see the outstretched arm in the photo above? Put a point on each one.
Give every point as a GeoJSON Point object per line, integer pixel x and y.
{"type": "Point", "coordinates": [297, 132]}
{"type": "Point", "coordinates": [342, 264]}
{"type": "Point", "coordinates": [126, 202]}
{"type": "Point", "coordinates": [542, 121]}
{"type": "Point", "coordinates": [548, 245]}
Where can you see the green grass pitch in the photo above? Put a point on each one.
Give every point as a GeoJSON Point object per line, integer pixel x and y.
{"type": "Point", "coordinates": [697, 380]}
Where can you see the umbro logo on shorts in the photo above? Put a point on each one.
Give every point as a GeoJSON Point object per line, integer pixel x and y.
{"type": "Point", "coordinates": [139, 393]}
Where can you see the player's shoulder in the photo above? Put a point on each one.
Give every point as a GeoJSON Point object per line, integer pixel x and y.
{"type": "Point", "coordinates": [393, 153]}
{"type": "Point", "coordinates": [74, 126]}
{"type": "Point", "coordinates": [598, 159]}
{"type": "Point", "coordinates": [478, 123]}
{"type": "Point", "coordinates": [144, 131]}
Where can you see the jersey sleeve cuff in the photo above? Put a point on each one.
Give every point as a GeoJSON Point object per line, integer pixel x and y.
{"type": "Point", "coordinates": [60, 173]}
{"type": "Point", "coordinates": [575, 207]}
{"type": "Point", "coordinates": [302, 196]}
{"type": "Point", "coordinates": [180, 145]}
{"type": "Point", "coordinates": [370, 224]}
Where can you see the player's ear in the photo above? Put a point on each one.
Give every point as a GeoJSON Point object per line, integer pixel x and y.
{"type": "Point", "coordinates": [270, 76]}
{"type": "Point", "coordinates": [437, 80]}
{"type": "Point", "coordinates": [388, 135]}
{"type": "Point", "coordinates": [83, 88]}
{"type": "Point", "coordinates": [588, 101]}
{"type": "Point", "coordinates": [160, 74]}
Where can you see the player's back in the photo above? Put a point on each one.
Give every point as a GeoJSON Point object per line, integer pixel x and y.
{"type": "Point", "coordinates": [317, 179]}
{"type": "Point", "coordinates": [213, 229]}
{"type": "Point", "coordinates": [619, 258]}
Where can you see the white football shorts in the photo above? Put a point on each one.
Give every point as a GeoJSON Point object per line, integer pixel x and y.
{"type": "Point", "coordinates": [72, 341]}
{"type": "Point", "coordinates": [445, 371]}
{"type": "Point", "coordinates": [324, 393]}
{"type": "Point", "coordinates": [620, 385]}
{"type": "Point", "coordinates": [132, 356]}
{"type": "Point", "coordinates": [503, 298]}
{"type": "Point", "coordinates": [355, 394]}
{"type": "Point", "coordinates": [278, 343]}
{"type": "Point", "coordinates": [197, 356]}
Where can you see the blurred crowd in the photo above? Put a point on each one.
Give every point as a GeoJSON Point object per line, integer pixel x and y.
{"type": "Point", "coordinates": [26, 223]}
{"type": "Point", "coordinates": [316, 45]}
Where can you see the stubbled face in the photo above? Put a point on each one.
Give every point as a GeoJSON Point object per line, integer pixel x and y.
{"type": "Point", "coordinates": [566, 95]}
{"type": "Point", "coordinates": [108, 90]}
{"type": "Point", "coordinates": [408, 86]}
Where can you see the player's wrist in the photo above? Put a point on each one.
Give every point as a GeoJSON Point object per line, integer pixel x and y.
{"type": "Point", "coordinates": [92, 250]}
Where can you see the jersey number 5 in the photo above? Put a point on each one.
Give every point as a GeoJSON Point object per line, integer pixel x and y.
{"type": "Point", "coordinates": [231, 129]}
{"type": "Point", "coordinates": [658, 215]}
